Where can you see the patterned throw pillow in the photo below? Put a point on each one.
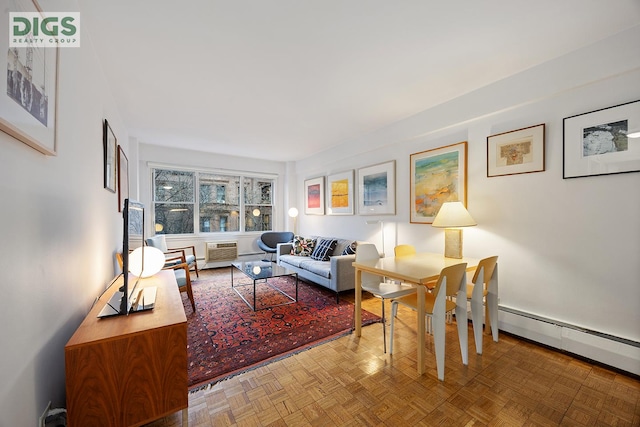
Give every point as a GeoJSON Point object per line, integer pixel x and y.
{"type": "Point", "coordinates": [323, 249]}
{"type": "Point", "coordinates": [302, 246]}
{"type": "Point", "coordinates": [350, 249]}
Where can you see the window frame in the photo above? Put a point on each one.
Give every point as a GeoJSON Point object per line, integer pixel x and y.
{"type": "Point", "coordinates": [196, 203]}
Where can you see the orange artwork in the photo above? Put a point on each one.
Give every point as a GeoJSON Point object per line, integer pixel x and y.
{"type": "Point", "coordinates": [340, 194]}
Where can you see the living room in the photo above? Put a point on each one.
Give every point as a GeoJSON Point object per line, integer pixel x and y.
{"type": "Point", "coordinates": [568, 247]}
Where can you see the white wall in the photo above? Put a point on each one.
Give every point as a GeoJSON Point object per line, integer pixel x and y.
{"type": "Point", "coordinates": [569, 249]}
{"type": "Point", "coordinates": [60, 230]}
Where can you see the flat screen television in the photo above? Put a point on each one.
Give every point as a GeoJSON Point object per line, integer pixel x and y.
{"type": "Point", "coordinates": [132, 238]}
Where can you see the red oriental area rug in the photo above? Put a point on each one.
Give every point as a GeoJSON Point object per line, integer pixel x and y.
{"type": "Point", "coordinates": [225, 337]}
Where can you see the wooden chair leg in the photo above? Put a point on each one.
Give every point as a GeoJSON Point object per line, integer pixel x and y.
{"type": "Point", "coordinates": [190, 293]}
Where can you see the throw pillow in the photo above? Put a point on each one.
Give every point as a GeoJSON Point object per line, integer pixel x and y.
{"type": "Point", "coordinates": [350, 249]}
{"type": "Point", "coordinates": [302, 246]}
{"type": "Point", "coordinates": [323, 249]}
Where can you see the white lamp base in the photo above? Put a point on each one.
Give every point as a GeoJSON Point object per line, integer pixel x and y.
{"type": "Point", "coordinates": [453, 243]}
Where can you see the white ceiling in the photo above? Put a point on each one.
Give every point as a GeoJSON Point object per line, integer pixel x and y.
{"type": "Point", "coordinates": [284, 79]}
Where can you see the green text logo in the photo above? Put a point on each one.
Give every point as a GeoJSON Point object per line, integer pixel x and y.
{"type": "Point", "coordinates": [51, 29]}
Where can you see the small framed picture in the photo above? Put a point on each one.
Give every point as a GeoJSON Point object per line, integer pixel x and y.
{"type": "Point", "coordinates": [516, 151]}
{"type": "Point", "coordinates": [314, 196]}
{"type": "Point", "coordinates": [598, 143]}
{"type": "Point", "coordinates": [110, 151]}
{"type": "Point", "coordinates": [340, 193]}
{"type": "Point", "coordinates": [377, 189]}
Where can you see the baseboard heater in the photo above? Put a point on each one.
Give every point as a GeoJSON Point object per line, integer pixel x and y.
{"type": "Point", "coordinates": [610, 350]}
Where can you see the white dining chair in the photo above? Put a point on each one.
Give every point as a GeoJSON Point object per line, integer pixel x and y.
{"type": "Point", "coordinates": [483, 291]}
{"type": "Point", "coordinates": [451, 282]}
{"type": "Point", "coordinates": [377, 286]}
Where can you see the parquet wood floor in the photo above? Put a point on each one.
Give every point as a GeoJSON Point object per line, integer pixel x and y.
{"type": "Point", "coordinates": [350, 382]}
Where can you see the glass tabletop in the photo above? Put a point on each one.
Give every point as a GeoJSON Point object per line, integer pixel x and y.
{"type": "Point", "coordinates": [261, 269]}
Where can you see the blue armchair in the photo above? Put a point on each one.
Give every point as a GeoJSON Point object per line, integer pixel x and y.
{"type": "Point", "coordinates": [268, 241]}
{"type": "Point", "coordinates": [159, 241]}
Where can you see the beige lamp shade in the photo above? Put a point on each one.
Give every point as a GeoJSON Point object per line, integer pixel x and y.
{"type": "Point", "coordinates": [453, 214]}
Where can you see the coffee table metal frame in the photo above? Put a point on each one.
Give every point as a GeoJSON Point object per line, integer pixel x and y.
{"type": "Point", "coordinates": [259, 271]}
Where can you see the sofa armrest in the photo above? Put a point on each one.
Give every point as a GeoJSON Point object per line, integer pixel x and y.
{"type": "Point", "coordinates": [342, 272]}
{"type": "Point", "coordinates": [283, 249]}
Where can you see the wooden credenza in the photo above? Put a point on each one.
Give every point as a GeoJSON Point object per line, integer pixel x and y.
{"type": "Point", "coordinates": [129, 370]}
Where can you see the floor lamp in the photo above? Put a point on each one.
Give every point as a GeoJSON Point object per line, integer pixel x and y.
{"type": "Point", "coordinates": [381, 222]}
{"type": "Point", "coordinates": [293, 213]}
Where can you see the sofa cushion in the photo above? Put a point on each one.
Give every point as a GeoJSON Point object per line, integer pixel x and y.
{"type": "Point", "coordinates": [294, 260]}
{"type": "Point", "coordinates": [321, 268]}
{"type": "Point", "coordinates": [302, 246]}
{"type": "Point", "coordinates": [350, 249]}
{"type": "Point", "coordinates": [323, 249]}
{"type": "Point", "coordinates": [340, 244]}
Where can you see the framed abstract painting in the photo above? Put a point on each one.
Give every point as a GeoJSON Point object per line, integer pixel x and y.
{"type": "Point", "coordinates": [340, 193]}
{"type": "Point", "coordinates": [599, 142]}
{"type": "Point", "coordinates": [314, 196]}
{"type": "Point", "coordinates": [516, 151]}
{"type": "Point", "coordinates": [377, 189]}
{"type": "Point", "coordinates": [437, 176]}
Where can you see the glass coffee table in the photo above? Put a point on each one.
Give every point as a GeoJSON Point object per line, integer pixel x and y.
{"type": "Point", "coordinates": [259, 271]}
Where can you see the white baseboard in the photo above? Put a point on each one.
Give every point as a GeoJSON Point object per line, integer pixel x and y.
{"type": "Point", "coordinates": [609, 350]}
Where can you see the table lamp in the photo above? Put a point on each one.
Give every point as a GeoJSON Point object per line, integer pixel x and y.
{"type": "Point", "coordinates": [153, 261]}
{"type": "Point", "coordinates": [452, 216]}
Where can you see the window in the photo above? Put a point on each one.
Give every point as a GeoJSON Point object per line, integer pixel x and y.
{"type": "Point", "coordinates": [219, 202]}
{"type": "Point", "coordinates": [257, 204]}
{"type": "Point", "coordinates": [220, 205]}
{"type": "Point", "coordinates": [173, 201]}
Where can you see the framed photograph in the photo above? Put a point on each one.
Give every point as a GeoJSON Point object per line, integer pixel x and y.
{"type": "Point", "coordinates": [516, 151]}
{"type": "Point", "coordinates": [123, 178]}
{"type": "Point", "coordinates": [340, 193]}
{"type": "Point", "coordinates": [110, 144]}
{"type": "Point", "coordinates": [314, 196]}
{"type": "Point", "coordinates": [29, 92]}
{"type": "Point", "coordinates": [377, 189]}
{"type": "Point", "coordinates": [437, 176]}
{"type": "Point", "coordinates": [597, 143]}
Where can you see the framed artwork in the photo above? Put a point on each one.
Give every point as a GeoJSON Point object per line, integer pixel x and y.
{"type": "Point", "coordinates": [123, 178]}
{"type": "Point", "coordinates": [314, 196]}
{"type": "Point", "coordinates": [597, 143]}
{"type": "Point", "coordinates": [29, 92]}
{"type": "Point", "coordinates": [437, 176]}
{"type": "Point", "coordinates": [377, 189]}
{"type": "Point", "coordinates": [516, 151]}
{"type": "Point", "coordinates": [340, 193]}
{"type": "Point", "coordinates": [110, 144]}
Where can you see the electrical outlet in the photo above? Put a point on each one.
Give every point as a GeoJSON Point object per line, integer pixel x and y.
{"type": "Point", "coordinates": [44, 415]}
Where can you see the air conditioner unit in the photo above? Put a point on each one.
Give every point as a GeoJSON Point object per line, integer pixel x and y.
{"type": "Point", "coordinates": [221, 251]}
